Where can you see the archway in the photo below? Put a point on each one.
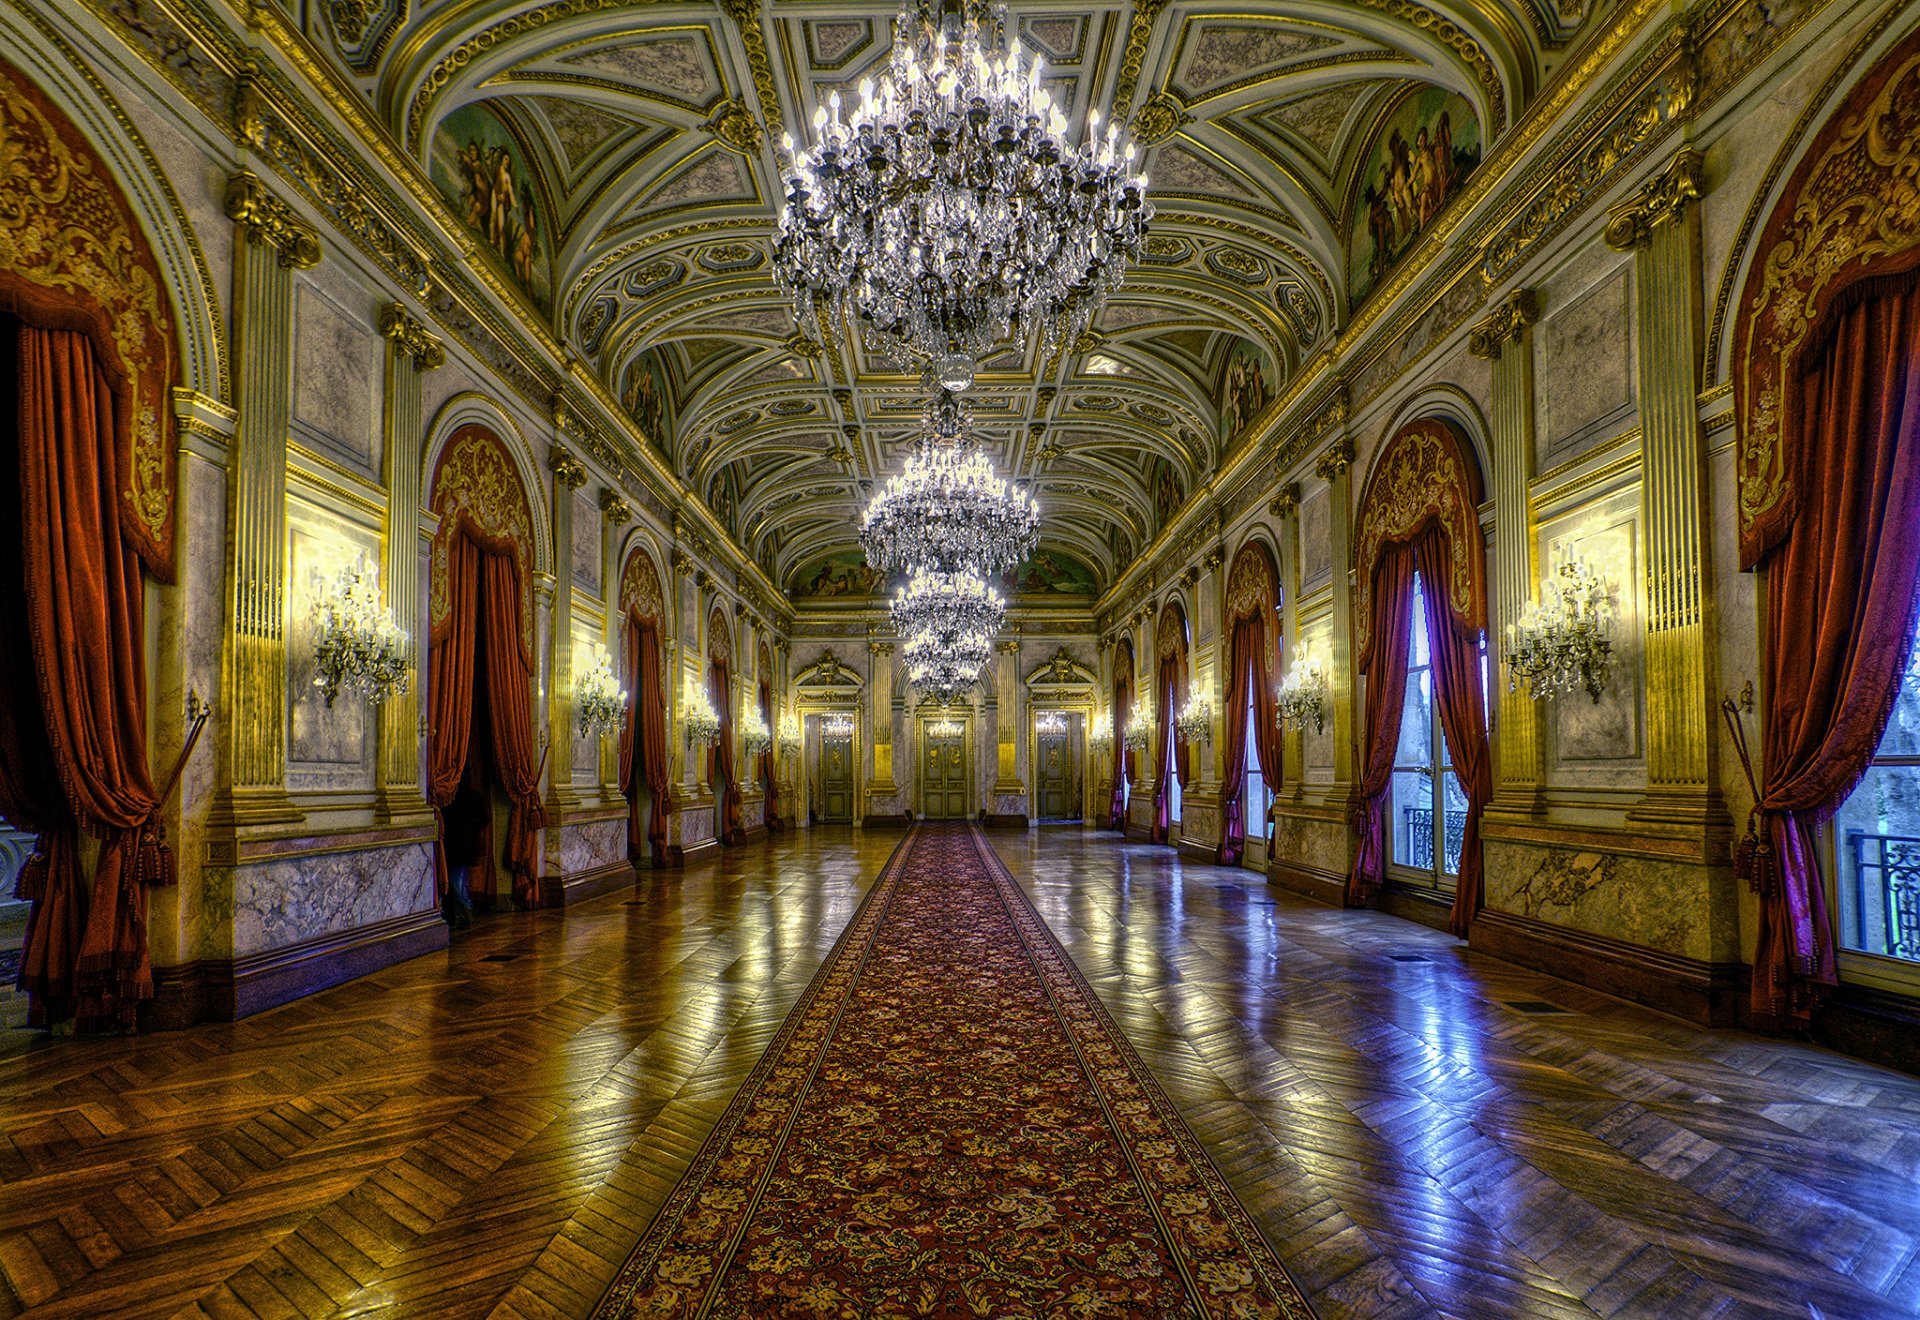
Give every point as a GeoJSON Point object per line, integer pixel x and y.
{"type": "Point", "coordinates": [482, 762]}
{"type": "Point", "coordinates": [720, 759]}
{"type": "Point", "coordinates": [646, 770]}
{"type": "Point", "coordinates": [1169, 694]}
{"type": "Point", "coordinates": [1253, 664]}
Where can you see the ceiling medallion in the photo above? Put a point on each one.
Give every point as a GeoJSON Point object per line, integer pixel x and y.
{"type": "Point", "coordinates": [948, 511]}
{"type": "Point", "coordinates": [947, 210]}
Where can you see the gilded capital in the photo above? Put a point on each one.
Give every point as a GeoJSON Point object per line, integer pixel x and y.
{"type": "Point", "coordinates": [880, 648]}
{"type": "Point", "coordinates": [1215, 557]}
{"type": "Point", "coordinates": [1661, 199]}
{"type": "Point", "coordinates": [617, 511]}
{"type": "Point", "coordinates": [1286, 502]}
{"type": "Point", "coordinates": [681, 563]}
{"type": "Point", "coordinates": [271, 221]}
{"type": "Point", "coordinates": [1008, 646]}
{"type": "Point", "coordinates": [1504, 324]}
{"type": "Point", "coordinates": [567, 470]}
{"type": "Point", "coordinates": [1337, 459]}
{"type": "Point", "coordinates": [412, 338]}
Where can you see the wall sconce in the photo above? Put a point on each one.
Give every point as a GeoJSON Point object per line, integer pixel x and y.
{"type": "Point", "coordinates": [1050, 725]}
{"type": "Point", "coordinates": [1195, 720]}
{"type": "Point", "coordinates": [359, 647]}
{"type": "Point", "coordinates": [836, 726]}
{"type": "Point", "coordinates": [1139, 729]}
{"type": "Point", "coordinates": [946, 727]}
{"type": "Point", "coordinates": [1100, 740]}
{"type": "Point", "coordinates": [1560, 645]}
{"type": "Point", "coordinates": [599, 702]}
{"type": "Point", "coordinates": [703, 722]}
{"type": "Point", "coordinates": [754, 734]}
{"type": "Point", "coordinates": [790, 734]}
{"type": "Point", "coordinates": [1302, 696]}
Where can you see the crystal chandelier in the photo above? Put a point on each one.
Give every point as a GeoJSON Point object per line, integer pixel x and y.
{"type": "Point", "coordinates": [1195, 720]}
{"type": "Point", "coordinates": [944, 664]}
{"type": "Point", "coordinates": [937, 605]}
{"type": "Point", "coordinates": [946, 727]}
{"type": "Point", "coordinates": [1302, 696]}
{"type": "Point", "coordinates": [836, 726]}
{"type": "Point", "coordinates": [754, 734]}
{"type": "Point", "coordinates": [1561, 646]}
{"type": "Point", "coordinates": [947, 210]}
{"type": "Point", "coordinates": [703, 722]}
{"type": "Point", "coordinates": [358, 645]}
{"type": "Point", "coordinates": [1139, 729]}
{"type": "Point", "coordinates": [948, 511]}
{"type": "Point", "coordinates": [1050, 725]}
{"type": "Point", "coordinates": [1100, 740]}
{"type": "Point", "coordinates": [599, 702]}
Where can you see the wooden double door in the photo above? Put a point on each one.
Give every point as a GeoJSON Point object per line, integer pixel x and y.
{"type": "Point", "coordinates": [943, 775]}
{"type": "Point", "coordinates": [1056, 775]}
{"type": "Point", "coordinates": [836, 779]}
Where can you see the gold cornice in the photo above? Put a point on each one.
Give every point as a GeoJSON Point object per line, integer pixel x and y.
{"type": "Point", "coordinates": [1505, 324]}
{"type": "Point", "coordinates": [1658, 201]}
{"type": "Point", "coordinates": [271, 221]}
{"type": "Point", "coordinates": [412, 338]}
{"type": "Point", "coordinates": [568, 471]}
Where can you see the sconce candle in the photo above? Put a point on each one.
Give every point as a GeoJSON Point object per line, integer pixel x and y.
{"type": "Point", "coordinates": [754, 735]}
{"type": "Point", "coordinates": [789, 733]}
{"type": "Point", "coordinates": [1139, 729]}
{"type": "Point", "coordinates": [703, 722]}
{"type": "Point", "coordinates": [1195, 720]}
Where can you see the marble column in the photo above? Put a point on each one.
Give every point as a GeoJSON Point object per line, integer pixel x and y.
{"type": "Point", "coordinates": [569, 475]}
{"type": "Point", "coordinates": [1505, 336]}
{"type": "Point", "coordinates": [1009, 720]}
{"type": "Point", "coordinates": [1336, 469]}
{"type": "Point", "coordinates": [1210, 662]}
{"type": "Point", "coordinates": [1284, 508]}
{"type": "Point", "coordinates": [270, 243]}
{"type": "Point", "coordinates": [412, 351]}
{"type": "Point", "coordinates": [880, 689]}
{"type": "Point", "coordinates": [1660, 225]}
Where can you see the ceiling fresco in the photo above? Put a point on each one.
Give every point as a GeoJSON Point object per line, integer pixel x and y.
{"type": "Point", "coordinates": [616, 161]}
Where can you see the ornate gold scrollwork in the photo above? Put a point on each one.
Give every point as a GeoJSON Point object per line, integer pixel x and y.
{"type": "Point", "coordinates": [1286, 501]}
{"type": "Point", "coordinates": [1658, 201]}
{"type": "Point", "coordinates": [1504, 324]}
{"type": "Point", "coordinates": [412, 338]}
{"type": "Point", "coordinates": [615, 509]}
{"type": "Point", "coordinates": [271, 221]}
{"type": "Point", "coordinates": [1161, 116]}
{"type": "Point", "coordinates": [567, 470]}
{"type": "Point", "coordinates": [1337, 459]}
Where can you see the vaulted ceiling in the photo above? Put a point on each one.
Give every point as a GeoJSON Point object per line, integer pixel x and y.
{"type": "Point", "coordinates": [614, 159]}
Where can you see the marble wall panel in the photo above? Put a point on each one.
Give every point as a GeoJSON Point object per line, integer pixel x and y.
{"type": "Point", "coordinates": [1316, 638]}
{"type": "Point", "coordinates": [593, 845]}
{"type": "Point", "coordinates": [1586, 383]}
{"type": "Point", "coordinates": [284, 901]}
{"type": "Point", "coordinates": [588, 561]}
{"type": "Point", "coordinates": [1656, 903]}
{"type": "Point", "coordinates": [1601, 744]}
{"type": "Point", "coordinates": [337, 366]}
{"type": "Point", "coordinates": [1316, 538]}
{"type": "Point", "coordinates": [1311, 843]}
{"type": "Point", "coordinates": [329, 748]}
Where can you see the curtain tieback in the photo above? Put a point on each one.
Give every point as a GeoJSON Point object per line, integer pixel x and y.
{"type": "Point", "coordinates": [1753, 859]}
{"type": "Point", "coordinates": [153, 857]}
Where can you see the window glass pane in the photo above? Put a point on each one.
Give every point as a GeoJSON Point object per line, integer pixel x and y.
{"type": "Point", "coordinates": [1876, 842]}
{"type": "Point", "coordinates": [1410, 819]}
{"type": "Point", "coordinates": [1416, 722]}
{"type": "Point", "coordinates": [1456, 813]}
{"type": "Point", "coordinates": [1902, 737]}
{"type": "Point", "coordinates": [1421, 654]}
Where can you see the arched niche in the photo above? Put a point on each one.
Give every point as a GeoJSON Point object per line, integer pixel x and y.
{"type": "Point", "coordinates": [476, 486]}
{"type": "Point", "coordinates": [475, 410]}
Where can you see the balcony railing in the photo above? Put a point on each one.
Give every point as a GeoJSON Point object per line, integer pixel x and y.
{"type": "Point", "coordinates": [1420, 838]}
{"type": "Point", "coordinates": [1886, 893]}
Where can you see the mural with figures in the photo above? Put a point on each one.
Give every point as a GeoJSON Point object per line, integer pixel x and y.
{"type": "Point", "coordinates": [1424, 152]}
{"type": "Point", "coordinates": [846, 573]}
{"type": "Point", "coordinates": [1049, 572]}
{"type": "Point", "coordinates": [480, 167]}
{"type": "Point", "coordinates": [1243, 388]}
{"type": "Point", "coordinates": [1164, 482]}
{"type": "Point", "coordinates": [644, 394]}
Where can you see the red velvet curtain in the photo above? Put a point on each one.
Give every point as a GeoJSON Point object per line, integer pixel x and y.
{"type": "Point", "coordinates": [1840, 613]}
{"type": "Point", "coordinates": [720, 772]}
{"type": "Point", "coordinates": [1170, 749]}
{"type": "Point", "coordinates": [73, 752]}
{"type": "Point", "coordinates": [483, 594]}
{"type": "Point", "coordinates": [643, 760]}
{"type": "Point", "coordinates": [1386, 702]}
{"type": "Point", "coordinates": [1455, 649]}
{"type": "Point", "coordinates": [1122, 756]}
{"type": "Point", "coordinates": [766, 759]}
{"type": "Point", "coordinates": [1248, 679]}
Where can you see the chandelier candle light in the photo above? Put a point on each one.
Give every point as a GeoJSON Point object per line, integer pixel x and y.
{"type": "Point", "coordinates": [790, 735]}
{"type": "Point", "coordinates": [836, 726]}
{"type": "Point", "coordinates": [1302, 696]}
{"type": "Point", "coordinates": [947, 209]}
{"type": "Point", "coordinates": [1561, 645]}
{"type": "Point", "coordinates": [358, 646]}
{"type": "Point", "coordinates": [599, 702]}
{"type": "Point", "coordinates": [946, 727]}
{"type": "Point", "coordinates": [1052, 724]}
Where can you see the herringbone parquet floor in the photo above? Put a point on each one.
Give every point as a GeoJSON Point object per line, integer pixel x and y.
{"type": "Point", "coordinates": [488, 1131]}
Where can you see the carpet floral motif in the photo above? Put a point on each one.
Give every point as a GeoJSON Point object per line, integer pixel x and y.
{"type": "Point", "coordinates": [950, 1125]}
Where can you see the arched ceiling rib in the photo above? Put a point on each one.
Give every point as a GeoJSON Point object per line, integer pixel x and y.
{"type": "Point", "coordinates": [1262, 124]}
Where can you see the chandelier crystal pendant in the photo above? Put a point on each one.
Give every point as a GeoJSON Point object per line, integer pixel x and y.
{"type": "Point", "coordinates": [948, 511]}
{"type": "Point", "coordinates": [1302, 696]}
{"type": "Point", "coordinates": [357, 644]}
{"type": "Point", "coordinates": [703, 721]}
{"type": "Point", "coordinates": [1050, 725]}
{"type": "Point", "coordinates": [943, 664]}
{"type": "Point", "coordinates": [947, 605]}
{"type": "Point", "coordinates": [946, 727]}
{"type": "Point", "coordinates": [946, 210]}
{"type": "Point", "coordinates": [1139, 730]}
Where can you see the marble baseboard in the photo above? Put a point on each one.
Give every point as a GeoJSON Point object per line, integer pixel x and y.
{"type": "Point", "coordinates": [311, 890]}
{"type": "Point", "coordinates": [1713, 994]}
{"type": "Point", "coordinates": [1614, 890]}
{"type": "Point", "coordinates": [559, 891]}
{"type": "Point", "coordinates": [1005, 820]}
{"type": "Point", "coordinates": [1322, 886]}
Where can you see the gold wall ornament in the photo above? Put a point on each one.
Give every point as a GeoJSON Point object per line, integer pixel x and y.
{"type": "Point", "coordinates": [1159, 118]}
{"type": "Point", "coordinates": [1133, 58]}
{"type": "Point", "coordinates": [1850, 210]}
{"type": "Point", "coordinates": [1658, 201]}
{"type": "Point", "coordinates": [1504, 324]}
{"type": "Point", "coordinates": [476, 484]}
{"type": "Point", "coordinates": [734, 125]}
{"type": "Point", "coordinates": [272, 222]}
{"type": "Point", "coordinates": [1421, 478]}
{"type": "Point", "coordinates": [412, 338]}
{"type": "Point", "coordinates": [1337, 459]}
{"type": "Point", "coordinates": [746, 16]}
{"type": "Point", "coordinates": [68, 238]}
{"type": "Point", "coordinates": [1286, 502]}
{"type": "Point", "coordinates": [614, 508]}
{"type": "Point", "coordinates": [567, 470]}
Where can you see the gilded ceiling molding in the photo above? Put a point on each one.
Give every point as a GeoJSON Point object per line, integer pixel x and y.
{"type": "Point", "coordinates": [1162, 115]}
{"type": "Point", "coordinates": [1139, 33]}
{"type": "Point", "coordinates": [746, 17]}
{"type": "Point", "coordinates": [412, 338]}
{"type": "Point", "coordinates": [271, 221]}
{"type": "Point", "coordinates": [1457, 40]}
{"type": "Point", "coordinates": [1504, 324]}
{"type": "Point", "coordinates": [1658, 201]}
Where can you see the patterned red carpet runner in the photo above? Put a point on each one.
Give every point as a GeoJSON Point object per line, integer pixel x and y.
{"type": "Point", "coordinates": [949, 1124]}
